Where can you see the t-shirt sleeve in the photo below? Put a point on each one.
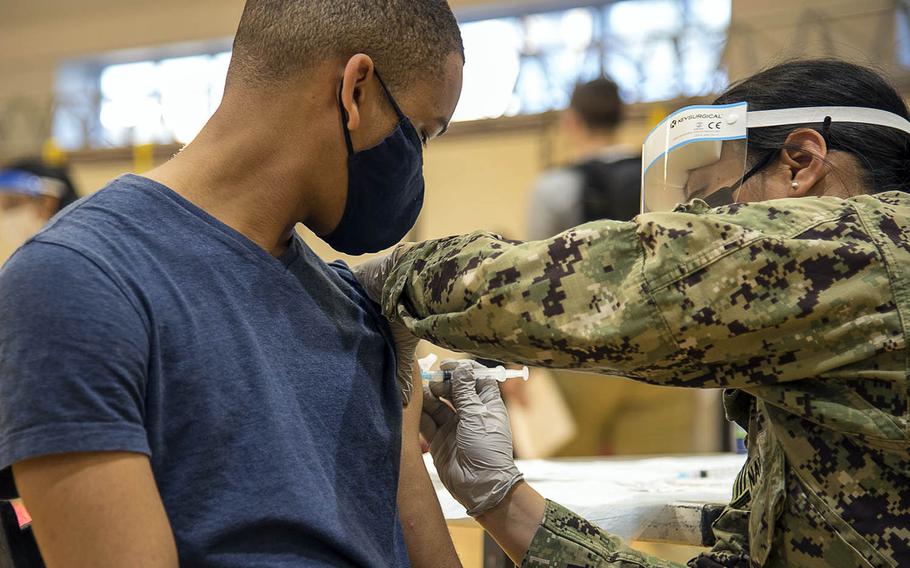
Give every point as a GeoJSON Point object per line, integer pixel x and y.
{"type": "Point", "coordinates": [74, 352]}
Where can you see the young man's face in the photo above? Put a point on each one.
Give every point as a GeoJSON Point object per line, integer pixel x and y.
{"type": "Point", "coordinates": [387, 178]}
{"type": "Point", "coordinates": [430, 103]}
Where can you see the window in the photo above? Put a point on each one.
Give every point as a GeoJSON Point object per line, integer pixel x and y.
{"type": "Point", "coordinates": [903, 33]}
{"type": "Point", "coordinates": [160, 102]}
{"type": "Point", "coordinates": [147, 102]}
{"type": "Point", "coordinates": [654, 49]}
{"type": "Point", "coordinates": [520, 64]}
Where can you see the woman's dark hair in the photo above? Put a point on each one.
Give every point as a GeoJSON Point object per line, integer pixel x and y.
{"type": "Point", "coordinates": [39, 168]}
{"type": "Point", "coordinates": [883, 153]}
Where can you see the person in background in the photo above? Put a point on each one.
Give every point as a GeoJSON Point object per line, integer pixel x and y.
{"type": "Point", "coordinates": [31, 192]}
{"type": "Point", "coordinates": [621, 417]}
{"type": "Point", "coordinates": [603, 182]}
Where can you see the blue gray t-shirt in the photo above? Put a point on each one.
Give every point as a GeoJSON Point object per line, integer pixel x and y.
{"type": "Point", "coordinates": [261, 388]}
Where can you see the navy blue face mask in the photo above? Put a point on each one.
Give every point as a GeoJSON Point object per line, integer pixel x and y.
{"type": "Point", "coordinates": [385, 188]}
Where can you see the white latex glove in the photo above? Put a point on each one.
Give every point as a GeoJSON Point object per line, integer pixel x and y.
{"type": "Point", "coordinates": [372, 276]}
{"type": "Point", "coordinates": [472, 450]}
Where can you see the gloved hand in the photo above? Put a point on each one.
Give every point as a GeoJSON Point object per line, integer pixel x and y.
{"type": "Point", "coordinates": [472, 450]}
{"type": "Point", "coordinates": [405, 346]}
{"type": "Point", "coordinates": [372, 276]}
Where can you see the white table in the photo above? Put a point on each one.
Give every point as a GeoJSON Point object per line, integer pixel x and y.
{"type": "Point", "coordinates": [651, 500]}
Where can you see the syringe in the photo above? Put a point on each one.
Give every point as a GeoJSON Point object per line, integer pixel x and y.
{"type": "Point", "coordinates": [500, 374]}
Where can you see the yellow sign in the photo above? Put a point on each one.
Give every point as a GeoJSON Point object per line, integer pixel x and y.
{"type": "Point", "coordinates": [143, 158]}
{"type": "Point", "coordinates": [52, 154]}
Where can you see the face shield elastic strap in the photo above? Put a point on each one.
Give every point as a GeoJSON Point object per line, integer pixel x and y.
{"type": "Point", "coordinates": [725, 195]}
{"type": "Point", "coordinates": [757, 119]}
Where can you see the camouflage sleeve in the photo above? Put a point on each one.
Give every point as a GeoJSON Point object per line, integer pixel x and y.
{"type": "Point", "coordinates": [565, 540]}
{"type": "Point", "coordinates": [735, 297]}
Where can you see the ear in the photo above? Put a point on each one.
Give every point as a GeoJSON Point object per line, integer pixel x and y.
{"type": "Point", "coordinates": [357, 73]}
{"type": "Point", "coordinates": [804, 153]}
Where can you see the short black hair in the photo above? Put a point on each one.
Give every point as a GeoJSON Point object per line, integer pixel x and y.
{"type": "Point", "coordinates": [598, 104]}
{"type": "Point", "coordinates": [883, 153]}
{"type": "Point", "coordinates": [278, 39]}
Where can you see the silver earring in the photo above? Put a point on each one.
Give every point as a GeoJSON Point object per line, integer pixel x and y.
{"type": "Point", "coordinates": [795, 186]}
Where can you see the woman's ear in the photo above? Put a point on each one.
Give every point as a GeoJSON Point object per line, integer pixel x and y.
{"type": "Point", "coordinates": [357, 72]}
{"type": "Point", "coordinates": [804, 153]}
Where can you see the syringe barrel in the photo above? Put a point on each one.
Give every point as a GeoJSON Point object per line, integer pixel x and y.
{"type": "Point", "coordinates": [498, 373]}
{"type": "Point", "coordinates": [502, 375]}
{"type": "Point", "coordinates": [436, 376]}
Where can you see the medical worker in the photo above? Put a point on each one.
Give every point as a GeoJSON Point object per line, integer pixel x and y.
{"type": "Point", "coordinates": [782, 278]}
{"type": "Point", "coordinates": [31, 192]}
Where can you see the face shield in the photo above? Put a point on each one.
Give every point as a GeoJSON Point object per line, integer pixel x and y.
{"type": "Point", "coordinates": [22, 197]}
{"type": "Point", "coordinates": [701, 151]}
{"type": "Point", "coordinates": [27, 184]}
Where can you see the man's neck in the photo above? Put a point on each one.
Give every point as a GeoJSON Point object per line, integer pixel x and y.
{"type": "Point", "coordinates": [258, 179]}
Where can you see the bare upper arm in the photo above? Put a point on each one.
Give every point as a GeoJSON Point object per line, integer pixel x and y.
{"type": "Point", "coordinates": [425, 532]}
{"type": "Point", "coordinates": [96, 510]}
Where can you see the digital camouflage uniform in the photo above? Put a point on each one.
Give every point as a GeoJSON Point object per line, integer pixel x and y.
{"type": "Point", "coordinates": [798, 307]}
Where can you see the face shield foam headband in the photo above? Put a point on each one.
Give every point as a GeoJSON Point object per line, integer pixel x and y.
{"type": "Point", "coordinates": [677, 153]}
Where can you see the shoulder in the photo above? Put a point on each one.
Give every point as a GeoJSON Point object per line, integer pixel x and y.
{"type": "Point", "coordinates": [558, 188]}
{"type": "Point", "coordinates": [46, 281]}
{"type": "Point", "coordinates": [558, 181]}
{"type": "Point", "coordinates": [123, 204]}
{"type": "Point", "coordinates": [783, 218]}
{"type": "Point", "coordinates": [39, 260]}
{"type": "Point", "coordinates": [122, 223]}
{"type": "Point", "coordinates": [620, 153]}
{"type": "Point", "coordinates": [889, 212]}
{"type": "Point", "coordinates": [348, 282]}
{"type": "Point", "coordinates": [694, 235]}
